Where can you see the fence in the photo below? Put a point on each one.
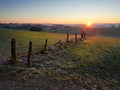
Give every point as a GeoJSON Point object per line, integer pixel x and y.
{"type": "Point", "coordinates": [30, 49]}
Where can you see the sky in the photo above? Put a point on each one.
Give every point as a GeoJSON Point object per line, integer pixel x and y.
{"type": "Point", "coordinates": [59, 11]}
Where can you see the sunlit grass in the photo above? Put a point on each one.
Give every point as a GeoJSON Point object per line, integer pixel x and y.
{"type": "Point", "coordinates": [23, 38]}
{"type": "Point", "coordinates": [95, 60]}
{"type": "Point", "coordinates": [99, 50]}
{"type": "Point", "coordinates": [94, 64]}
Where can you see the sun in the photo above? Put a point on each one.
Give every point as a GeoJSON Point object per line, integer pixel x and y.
{"type": "Point", "coordinates": [89, 23]}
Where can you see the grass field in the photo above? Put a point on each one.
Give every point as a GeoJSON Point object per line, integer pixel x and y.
{"type": "Point", "coordinates": [93, 64]}
{"type": "Point", "coordinates": [23, 38]}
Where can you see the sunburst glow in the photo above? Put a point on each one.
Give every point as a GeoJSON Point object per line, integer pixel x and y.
{"type": "Point", "coordinates": [89, 24]}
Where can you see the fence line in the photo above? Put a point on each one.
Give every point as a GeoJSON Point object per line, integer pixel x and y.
{"type": "Point", "coordinates": [14, 56]}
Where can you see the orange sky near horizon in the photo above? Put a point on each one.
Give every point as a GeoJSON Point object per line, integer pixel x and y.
{"type": "Point", "coordinates": [61, 21]}
{"type": "Point", "coordinates": [59, 11]}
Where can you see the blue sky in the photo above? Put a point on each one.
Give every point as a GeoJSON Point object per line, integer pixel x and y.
{"type": "Point", "coordinates": [60, 11]}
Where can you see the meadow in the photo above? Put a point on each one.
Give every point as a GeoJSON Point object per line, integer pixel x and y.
{"type": "Point", "coordinates": [92, 64]}
{"type": "Point", "coordinates": [23, 38]}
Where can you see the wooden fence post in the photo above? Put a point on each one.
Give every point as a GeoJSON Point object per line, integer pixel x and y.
{"type": "Point", "coordinates": [76, 37]}
{"type": "Point", "coordinates": [67, 38]}
{"type": "Point", "coordinates": [13, 51]}
{"type": "Point", "coordinates": [46, 43]}
{"type": "Point", "coordinates": [29, 53]}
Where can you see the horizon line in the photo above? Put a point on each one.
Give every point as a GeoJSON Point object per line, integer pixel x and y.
{"type": "Point", "coordinates": [52, 23]}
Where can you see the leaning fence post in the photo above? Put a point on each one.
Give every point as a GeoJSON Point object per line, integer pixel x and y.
{"type": "Point", "coordinates": [67, 38]}
{"type": "Point", "coordinates": [76, 37]}
{"type": "Point", "coordinates": [29, 53]}
{"type": "Point", "coordinates": [46, 42]}
{"type": "Point", "coordinates": [13, 51]}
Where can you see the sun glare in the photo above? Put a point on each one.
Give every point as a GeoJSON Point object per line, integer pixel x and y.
{"type": "Point", "coordinates": [89, 24]}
